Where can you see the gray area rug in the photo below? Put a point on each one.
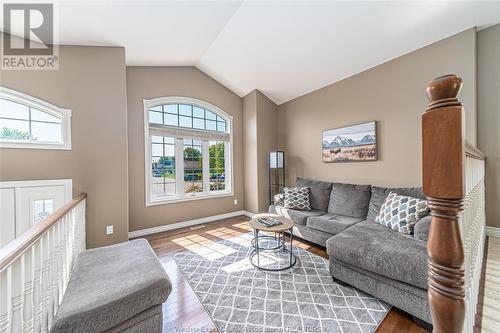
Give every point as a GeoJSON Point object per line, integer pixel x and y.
{"type": "Point", "coordinates": [241, 298]}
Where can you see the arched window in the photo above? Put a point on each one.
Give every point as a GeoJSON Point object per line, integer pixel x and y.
{"type": "Point", "coordinates": [188, 150]}
{"type": "Point", "coordinates": [28, 122]}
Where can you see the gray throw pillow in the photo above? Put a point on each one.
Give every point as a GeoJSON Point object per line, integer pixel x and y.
{"type": "Point", "coordinates": [319, 192]}
{"type": "Point", "coordinates": [401, 213]}
{"type": "Point", "coordinates": [349, 200]}
{"type": "Point", "coordinates": [297, 198]}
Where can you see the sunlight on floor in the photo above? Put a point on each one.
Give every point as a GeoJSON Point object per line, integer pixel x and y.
{"type": "Point", "coordinates": [243, 225]}
{"type": "Point", "coordinates": [224, 233]}
{"type": "Point", "coordinates": [234, 236]}
{"type": "Point", "coordinates": [301, 245]}
{"type": "Point", "coordinates": [208, 249]}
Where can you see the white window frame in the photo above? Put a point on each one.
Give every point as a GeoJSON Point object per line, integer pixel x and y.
{"type": "Point", "coordinates": [35, 103]}
{"type": "Point", "coordinates": [179, 151]}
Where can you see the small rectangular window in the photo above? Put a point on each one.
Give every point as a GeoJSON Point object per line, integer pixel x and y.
{"type": "Point", "coordinates": [217, 166]}
{"type": "Point", "coordinates": [198, 112]}
{"type": "Point", "coordinates": [170, 108]}
{"type": "Point", "coordinates": [185, 121]}
{"type": "Point", "coordinates": [163, 167]}
{"type": "Point", "coordinates": [155, 117]}
{"type": "Point", "coordinates": [171, 119]}
{"type": "Point", "coordinates": [185, 110]}
{"type": "Point", "coordinates": [198, 123]}
{"type": "Point", "coordinates": [45, 132]}
{"type": "Point", "coordinates": [193, 166]}
{"type": "Point", "coordinates": [210, 115]}
{"type": "Point", "coordinates": [211, 125]}
{"type": "Point", "coordinates": [221, 127]}
{"type": "Point", "coordinates": [41, 210]}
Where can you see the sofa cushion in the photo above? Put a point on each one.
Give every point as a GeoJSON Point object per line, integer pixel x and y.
{"type": "Point", "coordinates": [110, 285]}
{"type": "Point", "coordinates": [331, 223]}
{"type": "Point", "coordinates": [378, 249]}
{"type": "Point", "coordinates": [401, 213]}
{"type": "Point", "coordinates": [319, 192]}
{"type": "Point", "coordinates": [297, 216]}
{"type": "Point", "coordinates": [378, 195]}
{"type": "Point", "coordinates": [311, 235]}
{"type": "Point", "coordinates": [349, 200]}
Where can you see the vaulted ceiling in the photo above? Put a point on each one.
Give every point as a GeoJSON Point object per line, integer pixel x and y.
{"type": "Point", "coordinates": [284, 49]}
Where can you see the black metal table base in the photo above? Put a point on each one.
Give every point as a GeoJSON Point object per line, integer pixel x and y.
{"type": "Point", "coordinates": [279, 247]}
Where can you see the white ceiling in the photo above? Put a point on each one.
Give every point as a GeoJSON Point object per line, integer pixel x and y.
{"type": "Point", "coordinates": [284, 49]}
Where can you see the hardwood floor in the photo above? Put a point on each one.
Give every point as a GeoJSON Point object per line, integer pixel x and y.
{"type": "Point", "coordinates": [183, 311]}
{"type": "Point", "coordinates": [488, 309]}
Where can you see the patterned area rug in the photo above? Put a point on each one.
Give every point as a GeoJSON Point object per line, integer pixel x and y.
{"type": "Point", "coordinates": [241, 298]}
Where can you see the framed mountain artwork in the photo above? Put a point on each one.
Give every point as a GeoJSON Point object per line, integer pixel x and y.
{"type": "Point", "coordinates": [354, 143]}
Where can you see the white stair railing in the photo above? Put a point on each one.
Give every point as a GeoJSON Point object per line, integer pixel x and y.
{"type": "Point", "coordinates": [472, 223]}
{"type": "Point", "coordinates": [35, 269]}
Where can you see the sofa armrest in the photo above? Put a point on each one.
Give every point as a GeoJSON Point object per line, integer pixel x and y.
{"type": "Point", "coordinates": [279, 199]}
{"type": "Point", "coordinates": [421, 229]}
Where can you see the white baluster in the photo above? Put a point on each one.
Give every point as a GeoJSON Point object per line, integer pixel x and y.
{"type": "Point", "coordinates": [51, 277]}
{"type": "Point", "coordinates": [5, 302]}
{"type": "Point", "coordinates": [57, 266]}
{"type": "Point", "coordinates": [37, 286]}
{"type": "Point", "coordinates": [45, 283]}
{"type": "Point", "coordinates": [28, 290]}
{"type": "Point", "coordinates": [15, 278]}
{"type": "Point", "coordinates": [64, 241]}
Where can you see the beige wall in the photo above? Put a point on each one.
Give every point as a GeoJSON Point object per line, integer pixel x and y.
{"type": "Point", "coordinates": [151, 82]}
{"type": "Point", "coordinates": [259, 138]}
{"type": "Point", "coordinates": [250, 185]}
{"type": "Point", "coordinates": [91, 82]}
{"type": "Point", "coordinates": [267, 136]}
{"type": "Point", "coordinates": [393, 94]}
{"type": "Point", "coordinates": [488, 93]}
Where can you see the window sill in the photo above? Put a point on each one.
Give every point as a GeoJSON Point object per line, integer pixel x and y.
{"type": "Point", "coordinates": [203, 196]}
{"type": "Point", "coordinates": [33, 145]}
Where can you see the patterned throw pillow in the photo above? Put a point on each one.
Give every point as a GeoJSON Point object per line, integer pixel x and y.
{"type": "Point", "coordinates": [401, 213]}
{"type": "Point", "coordinates": [297, 198]}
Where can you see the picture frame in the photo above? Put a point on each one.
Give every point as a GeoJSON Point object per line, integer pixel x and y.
{"type": "Point", "coordinates": [353, 143]}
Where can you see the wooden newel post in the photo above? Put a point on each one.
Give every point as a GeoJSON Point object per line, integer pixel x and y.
{"type": "Point", "coordinates": [443, 183]}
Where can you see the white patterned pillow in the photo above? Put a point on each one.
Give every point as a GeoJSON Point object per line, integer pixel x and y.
{"type": "Point", "coordinates": [297, 198]}
{"type": "Point", "coordinates": [401, 213]}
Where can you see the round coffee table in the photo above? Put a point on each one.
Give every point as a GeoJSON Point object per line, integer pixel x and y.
{"type": "Point", "coordinates": [286, 226]}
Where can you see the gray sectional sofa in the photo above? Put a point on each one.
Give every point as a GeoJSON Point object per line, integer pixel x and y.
{"type": "Point", "coordinates": [367, 255]}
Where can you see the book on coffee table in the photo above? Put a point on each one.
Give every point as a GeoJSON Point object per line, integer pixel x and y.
{"type": "Point", "coordinates": [268, 222]}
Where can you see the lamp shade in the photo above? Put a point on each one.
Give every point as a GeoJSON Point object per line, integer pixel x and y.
{"type": "Point", "coordinates": [276, 159]}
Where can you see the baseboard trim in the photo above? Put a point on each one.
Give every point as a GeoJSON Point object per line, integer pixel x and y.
{"type": "Point", "coordinates": [248, 214]}
{"type": "Point", "coordinates": [493, 231]}
{"type": "Point", "coordinates": [189, 223]}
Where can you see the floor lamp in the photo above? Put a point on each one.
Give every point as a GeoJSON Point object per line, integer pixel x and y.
{"type": "Point", "coordinates": [276, 173]}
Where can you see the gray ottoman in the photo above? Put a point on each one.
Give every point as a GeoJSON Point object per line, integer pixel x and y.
{"type": "Point", "coordinates": [117, 288]}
